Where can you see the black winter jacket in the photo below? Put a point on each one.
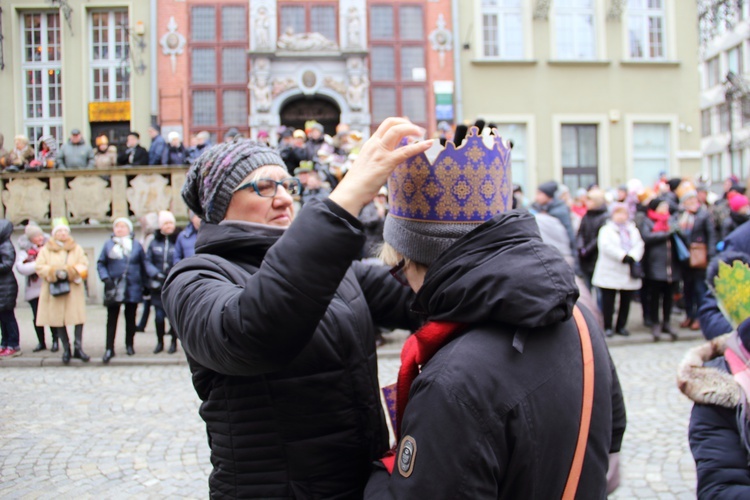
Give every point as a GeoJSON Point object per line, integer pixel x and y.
{"type": "Point", "coordinates": [703, 232]}
{"type": "Point", "coordinates": [8, 283]}
{"type": "Point", "coordinates": [660, 262]}
{"type": "Point", "coordinates": [495, 413]}
{"type": "Point", "coordinates": [280, 337]}
{"type": "Point", "coordinates": [586, 240]}
{"type": "Point", "coordinates": [159, 258]}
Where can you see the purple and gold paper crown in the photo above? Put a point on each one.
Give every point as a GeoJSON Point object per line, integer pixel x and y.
{"type": "Point", "coordinates": [468, 184]}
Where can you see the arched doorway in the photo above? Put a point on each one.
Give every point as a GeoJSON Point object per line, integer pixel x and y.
{"type": "Point", "coordinates": [297, 111]}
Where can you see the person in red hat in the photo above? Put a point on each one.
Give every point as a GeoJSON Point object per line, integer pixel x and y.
{"type": "Point", "coordinates": [739, 213]}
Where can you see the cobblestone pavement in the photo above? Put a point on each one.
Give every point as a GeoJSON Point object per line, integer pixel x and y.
{"type": "Point", "coordinates": [134, 431]}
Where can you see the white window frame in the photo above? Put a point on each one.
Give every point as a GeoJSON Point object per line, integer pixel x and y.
{"type": "Point", "coordinates": [642, 17]}
{"type": "Point", "coordinates": [49, 125]}
{"type": "Point", "coordinates": [597, 29]}
{"type": "Point", "coordinates": [674, 145]}
{"type": "Point", "coordinates": [110, 65]}
{"type": "Point", "coordinates": [503, 12]}
{"type": "Point", "coordinates": [530, 159]}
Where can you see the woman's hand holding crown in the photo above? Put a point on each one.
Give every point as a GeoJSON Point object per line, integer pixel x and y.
{"type": "Point", "coordinates": [379, 155]}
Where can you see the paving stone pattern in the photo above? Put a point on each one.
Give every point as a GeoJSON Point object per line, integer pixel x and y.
{"type": "Point", "coordinates": [134, 431]}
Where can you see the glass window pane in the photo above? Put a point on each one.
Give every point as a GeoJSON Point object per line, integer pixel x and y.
{"type": "Point", "coordinates": [53, 37]}
{"type": "Point", "coordinates": [587, 145]}
{"type": "Point", "coordinates": [381, 60]}
{"type": "Point", "coordinates": [233, 23]}
{"type": "Point", "coordinates": [410, 21]}
{"type": "Point", "coordinates": [650, 139]}
{"type": "Point", "coordinates": [411, 57]}
{"type": "Point", "coordinates": [513, 36]}
{"type": "Point", "coordinates": [381, 22]}
{"type": "Point", "coordinates": [293, 16]}
{"type": "Point", "coordinates": [234, 107]}
{"type": "Point", "coordinates": [516, 133]}
{"type": "Point", "coordinates": [490, 35]}
{"type": "Point", "coordinates": [569, 144]}
{"type": "Point", "coordinates": [234, 65]}
{"type": "Point", "coordinates": [204, 107]}
{"type": "Point", "coordinates": [203, 24]}
{"type": "Point", "coordinates": [413, 104]}
{"type": "Point", "coordinates": [203, 66]}
{"type": "Point", "coordinates": [323, 21]}
{"type": "Point", "coordinates": [386, 103]}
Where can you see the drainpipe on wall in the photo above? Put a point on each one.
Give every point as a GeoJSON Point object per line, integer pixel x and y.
{"type": "Point", "coordinates": [154, 66]}
{"type": "Point", "coordinates": [457, 92]}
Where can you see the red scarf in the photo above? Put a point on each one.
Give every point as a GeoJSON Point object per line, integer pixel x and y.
{"type": "Point", "coordinates": [418, 350]}
{"type": "Point", "coordinates": [661, 221]}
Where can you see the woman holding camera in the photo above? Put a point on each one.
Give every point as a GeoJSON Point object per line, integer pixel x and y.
{"type": "Point", "coordinates": [63, 266]}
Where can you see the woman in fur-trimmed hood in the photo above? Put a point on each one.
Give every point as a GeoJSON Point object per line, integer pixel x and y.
{"type": "Point", "coordinates": [716, 376]}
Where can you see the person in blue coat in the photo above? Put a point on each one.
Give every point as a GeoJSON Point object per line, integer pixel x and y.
{"type": "Point", "coordinates": [159, 259]}
{"type": "Point", "coordinates": [158, 145]}
{"type": "Point", "coordinates": [120, 255]}
{"type": "Point", "coordinates": [184, 247]}
{"type": "Point", "coordinates": [712, 321]}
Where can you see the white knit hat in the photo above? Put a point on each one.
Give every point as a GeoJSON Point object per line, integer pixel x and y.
{"type": "Point", "coordinates": [166, 216]}
{"type": "Point", "coordinates": [125, 221]}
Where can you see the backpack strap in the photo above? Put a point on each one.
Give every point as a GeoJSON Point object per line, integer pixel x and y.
{"type": "Point", "coordinates": [587, 353]}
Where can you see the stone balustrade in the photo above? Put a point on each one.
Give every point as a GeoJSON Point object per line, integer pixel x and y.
{"type": "Point", "coordinates": [92, 195]}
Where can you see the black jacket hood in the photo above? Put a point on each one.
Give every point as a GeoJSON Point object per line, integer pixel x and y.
{"type": "Point", "coordinates": [500, 272]}
{"type": "Point", "coordinates": [6, 229]}
{"type": "Point", "coordinates": [234, 243]}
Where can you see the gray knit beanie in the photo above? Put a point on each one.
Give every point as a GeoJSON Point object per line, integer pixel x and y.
{"type": "Point", "coordinates": [423, 242]}
{"type": "Point", "coordinates": [212, 179]}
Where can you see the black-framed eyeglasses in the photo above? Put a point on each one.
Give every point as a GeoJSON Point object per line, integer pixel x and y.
{"type": "Point", "coordinates": [267, 188]}
{"type": "Point", "coordinates": [397, 272]}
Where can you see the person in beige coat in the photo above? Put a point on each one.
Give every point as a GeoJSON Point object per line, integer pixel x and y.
{"type": "Point", "coordinates": [60, 259]}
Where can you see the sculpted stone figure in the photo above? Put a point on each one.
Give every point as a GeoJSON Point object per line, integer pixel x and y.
{"type": "Point", "coordinates": [357, 91]}
{"type": "Point", "coordinates": [261, 89]}
{"type": "Point", "coordinates": [305, 41]}
{"type": "Point", "coordinates": [262, 28]}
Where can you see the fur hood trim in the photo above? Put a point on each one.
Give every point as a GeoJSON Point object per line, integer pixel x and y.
{"type": "Point", "coordinates": [705, 384]}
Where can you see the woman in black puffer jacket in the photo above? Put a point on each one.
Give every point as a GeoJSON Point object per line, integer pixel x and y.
{"type": "Point", "coordinates": [158, 263]}
{"type": "Point", "coordinates": [660, 264]}
{"type": "Point", "coordinates": [8, 292]}
{"type": "Point", "coordinates": [277, 321]}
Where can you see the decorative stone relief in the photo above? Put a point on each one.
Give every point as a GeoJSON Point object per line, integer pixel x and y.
{"type": "Point", "coordinates": [541, 10]}
{"type": "Point", "coordinates": [356, 92]}
{"type": "Point", "coordinates": [172, 43]}
{"type": "Point", "coordinates": [88, 197]}
{"type": "Point", "coordinates": [282, 85]}
{"type": "Point", "coordinates": [616, 10]}
{"type": "Point", "coordinates": [305, 42]}
{"type": "Point", "coordinates": [26, 199]}
{"type": "Point", "coordinates": [353, 28]}
{"type": "Point", "coordinates": [441, 39]}
{"type": "Point", "coordinates": [260, 88]}
{"type": "Point", "coordinates": [335, 84]}
{"type": "Point", "coordinates": [149, 193]}
{"type": "Point", "coordinates": [262, 29]}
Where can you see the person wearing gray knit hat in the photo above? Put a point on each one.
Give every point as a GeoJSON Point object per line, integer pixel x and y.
{"type": "Point", "coordinates": [288, 345]}
{"type": "Point", "coordinates": [213, 178]}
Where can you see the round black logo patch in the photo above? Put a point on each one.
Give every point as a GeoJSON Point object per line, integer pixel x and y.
{"type": "Point", "coordinates": [407, 453]}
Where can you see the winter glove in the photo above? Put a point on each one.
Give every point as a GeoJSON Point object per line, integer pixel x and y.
{"type": "Point", "coordinates": [61, 275]}
{"type": "Point", "coordinates": [628, 259]}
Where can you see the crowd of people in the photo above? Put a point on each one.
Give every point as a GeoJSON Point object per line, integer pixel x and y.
{"type": "Point", "coordinates": [77, 154]}
{"type": "Point", "coordinates": [269, 338]}
{"type": "Point", "coordinates": [54, 267]}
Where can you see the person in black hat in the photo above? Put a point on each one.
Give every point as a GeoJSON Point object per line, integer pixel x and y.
{"type": "Point", "coordinates": [134, 153]}
{"type": "Point", "coordinates": [547, 201]}
{"type": "Point", "coordinates": [76, 153]}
